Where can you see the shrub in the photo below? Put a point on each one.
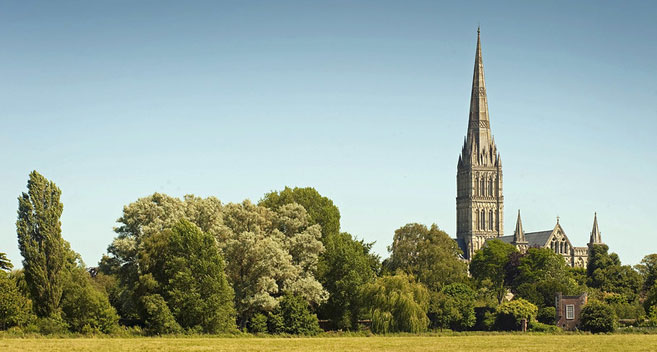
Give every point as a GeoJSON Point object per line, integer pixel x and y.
{"type": "Point", "coordinates": [547, 315]}
{"type": "Point", "coordinates": [597, 317]}
{"type": "Point", "coordinates": [540, 327]}
{"type": "Point", "coordinates": [510, 314]}
{"type": "Point", "coordinates": [293, 316]}
{"type": "Point", "coordinates": [15, 309]}
{"type": "Point", "coordinates": [86, 309]}
{"type": "Point", "coordinates": [258, 324]}
{"type": "Point", "coordinates": [159, 319]}
{"type": "Point", "coordinates": [53, 324]}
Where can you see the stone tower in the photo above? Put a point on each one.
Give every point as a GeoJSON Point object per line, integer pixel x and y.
{"type": "Point", "coordinates": [479, 200]}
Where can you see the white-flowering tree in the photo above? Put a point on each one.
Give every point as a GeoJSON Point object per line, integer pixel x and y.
{"type": "Point", "coordinates": [268, 253]}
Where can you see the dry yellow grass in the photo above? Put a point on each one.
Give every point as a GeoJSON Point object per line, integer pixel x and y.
{"type": "Point", "coordinates": [517, 342]}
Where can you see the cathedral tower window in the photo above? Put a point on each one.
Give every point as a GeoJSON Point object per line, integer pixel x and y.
{"type": "Point", "coordinates": [490, 220]}
{"type": "Point", "coordinates": [490, 187]}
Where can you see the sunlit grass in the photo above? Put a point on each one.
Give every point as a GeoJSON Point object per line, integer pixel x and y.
{"type": "Point", "coordinates": [510, 342]}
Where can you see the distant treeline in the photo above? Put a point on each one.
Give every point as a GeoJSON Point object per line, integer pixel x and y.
{"type": "Point", "coordinates": [197, 265]}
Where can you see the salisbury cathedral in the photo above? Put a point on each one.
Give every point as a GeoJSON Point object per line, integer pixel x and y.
{"type": "Point", "coordinates": [479, 196]}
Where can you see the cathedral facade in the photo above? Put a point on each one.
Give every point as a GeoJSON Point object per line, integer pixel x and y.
{"type": "Point", "coordinates": [479, 196]}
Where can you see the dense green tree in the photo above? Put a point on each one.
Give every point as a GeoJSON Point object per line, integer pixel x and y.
{"type": "Point", "coordinates": [648, 269]}
{"type": "Point", "coordinates": [267, 253]}
{"type": "Point", "coordinates": [321, 210]}
{"type": "Point", "coordinates": [189, 274]}
{"type": "Point", "coordinates": [397, 304]}
{"type": "Point", "coordinates": [15, 308]}
{"type": "Point", "coordinates": [597, 317]}
{"type": "Point", "coordinates": [453, 307]}
{"type": "Point", "coordinates": [509, 315]}
{"type": "Point", "coordinates": [86, 308]}
{"type": "Point", "coordinates": [428, 254]}
{"type": "Point", "coordinates": [5, 264]}
{"type": "Point", "coordinates": [540, 274]}
{"type": "Point", "coordinates": [489, 266]}
{"type": "Point", "coordinates": [606, 273]}
{"type": "Point", "coordinates": [293, 316]}
{"type": "Point", "coordinates": [344, 267]}
{"type": "Point", "coordinates": [41, 244]}
{"type": "Point", "coordinates": [157, 316]}
{"type": "Point", "coordinates": [650, 301]}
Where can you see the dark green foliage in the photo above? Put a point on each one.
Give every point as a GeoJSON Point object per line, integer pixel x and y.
{"type": "Point", "coordinates": [40, 241]}
{"type": "Point", "coordinates": [322, 211]}
{"type": "Point", "coordinates": [84, 307]}
{"type": "Point", "coordinates": [344, 267]}
{"type": "Point", "coordinates": [453, 307]}
{"type": "Point", "coordinates": [5, 264]}
{"type": "Point", "coordinates": [158, 317]}
{"type": "Point", "coordinates": [187, 271]}
{"type": "Point", "coordinates": [428, 254]}
{"type": "Point", "coordinates": [485, 316]}
{"type": "Point", "coordinates": [606, 273]}
{"type": "Point", "coordinates": [539, 275]}
{"type": "Point", "coordinates": [53, 324]}
{"type": "Point", "coordinates": [258, 324]}
{"type": "Point", "coordinates": [651, 298]}
{"type": "Point", "coordinates": [490, 264]}
{"type": "Point", "coordinates": [597, 317]}
{"type": "Point", "coordinates": [648, 269]}
{"type": "Point", "coordinates": [397, 304]}
{"type": "Point", "coordinates": [547, 315]}
{"type": "Point", "coordinates": [537, 326]}
{"type": "Point", "coordinates": [509, 315]}
{"type": "Point", "coordinates": [15, 309]}
{"type": "Point", "coordinates": [293, 316]}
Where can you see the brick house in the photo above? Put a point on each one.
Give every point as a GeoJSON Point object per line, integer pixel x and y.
{"type": "Point", "coordinates": [568, 310]}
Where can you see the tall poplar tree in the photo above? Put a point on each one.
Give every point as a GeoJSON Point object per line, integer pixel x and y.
{"type": "Point", "coordinates": [40, 241]}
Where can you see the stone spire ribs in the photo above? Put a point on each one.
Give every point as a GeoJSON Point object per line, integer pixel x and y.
{"type": "Point", "coordinates": [596, 236]}
{"type": "Point", "coordinates": [479, 146]}
{"type": "Point", "coordinates": [519, 236]}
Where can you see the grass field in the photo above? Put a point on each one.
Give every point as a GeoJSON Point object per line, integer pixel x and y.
{"type": "Point", "coordinates": [515, 342]}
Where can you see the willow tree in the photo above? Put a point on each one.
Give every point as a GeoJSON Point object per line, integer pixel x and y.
{"type": "Point", "coordinates": [40, 241]}
{"type": "Point", "coordinates": [397, 304]}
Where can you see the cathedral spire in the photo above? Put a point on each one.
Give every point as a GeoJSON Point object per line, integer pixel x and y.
{"type": "Point", "coordinates": [479, 122]}
{"type": "Point", "coordinates": [596, 237]}
{"type": "Point", "coordinates": [519, 234]}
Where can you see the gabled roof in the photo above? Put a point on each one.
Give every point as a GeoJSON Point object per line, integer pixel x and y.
{"type": "Point", "coordinates": [534, 239]}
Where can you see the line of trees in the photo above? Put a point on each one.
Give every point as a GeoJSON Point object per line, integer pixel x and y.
{"type": "Point", "coordinates": [197, 265]}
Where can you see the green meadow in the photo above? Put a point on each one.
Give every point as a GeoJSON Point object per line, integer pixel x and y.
{"type": "Point", "coordinates": [502, 342]}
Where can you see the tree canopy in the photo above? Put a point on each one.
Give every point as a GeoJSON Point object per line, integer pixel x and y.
{"type": "Point", "coordinates": [397, 304]}
{"type": "Point", "coordinates": [321, 209]}
{"type": "Point", "coordinates": [490, 264]}
{"type": "Point", "coordinates": [428, 254]}
{"type": "Point", "coordinates": [344, 267]}
{"type": "Point", "coordinates": [41, 244]}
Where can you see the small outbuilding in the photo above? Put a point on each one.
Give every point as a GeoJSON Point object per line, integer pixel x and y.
{"type": "Point", "coordinates": [568, 310]}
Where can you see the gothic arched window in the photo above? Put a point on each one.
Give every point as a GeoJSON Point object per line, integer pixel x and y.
{"type": "Point", "coordinates": [490, 187]}
{"type": "Point", "coordinates": [482, 187]}
{"type": "Point", "coordinates": [490, 219]}
{"type": "Point", "coordinates": [483, 219]}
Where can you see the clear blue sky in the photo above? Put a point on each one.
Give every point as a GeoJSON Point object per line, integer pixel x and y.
{"type": "Point", "coordinates": [367, 101]}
